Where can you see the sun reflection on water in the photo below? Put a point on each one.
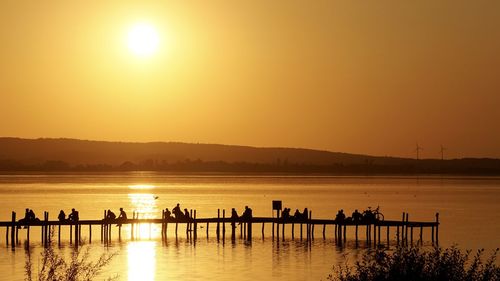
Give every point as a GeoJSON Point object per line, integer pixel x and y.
{"type": "Point", "coordinates": [141, 260]}
{"type": "Point", "coordinates": [145, 205]}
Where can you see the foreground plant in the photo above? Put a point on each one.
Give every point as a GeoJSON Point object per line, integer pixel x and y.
{"type": "Point", "coordinates": [78, 267]}
{"type": "Point", "coordinates": [417, 264]}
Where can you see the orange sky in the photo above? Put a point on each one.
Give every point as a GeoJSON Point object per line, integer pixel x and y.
{"type": "Point", "coordinates": [368, 77]}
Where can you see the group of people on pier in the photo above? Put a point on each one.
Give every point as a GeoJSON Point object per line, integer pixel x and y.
{"type": "Point", "coordinates": [177, 214]}
{"type": "Point", "coordinates": [368, 216]}
{"type": "Point", "coordinates": [297, 216]}
{"type": "Point", "coordinates": [29, 217]}
{"type": "Point", "coordinates": [74, 216]}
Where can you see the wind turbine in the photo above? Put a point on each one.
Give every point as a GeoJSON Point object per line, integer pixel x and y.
{"type": "Point", "coordinates": [417, 149]}
{"type": "Point", "coordinates": [442, 152]}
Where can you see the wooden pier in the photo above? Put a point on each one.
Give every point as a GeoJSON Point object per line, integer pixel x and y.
{"type": "Point", "coordinates": [402, 229]}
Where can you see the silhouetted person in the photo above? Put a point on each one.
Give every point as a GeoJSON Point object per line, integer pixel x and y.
{"type": "Point", "coordinates": [247, 214]}
{"type": "Point", "coordinates": [285, 215]}
{"type": "Point", "coordinates": [62, 216]}
{"type": "Point", "coordinates": [177, 212]}
{"type": "Point", "coordinates": [121, 217]}
{"type": "Point", "coordinates": [356, 216]}
{"type": "Point", "coordinates": [186, 214]}
{"type": "Point", "coordinates": [73, 216]}
{"type": "Point", "coordinates": [26, 218]}
{"type": "Point", "coordinates": [110, 215]}
{"type": "Point", "coordinates": [234, 217]}
{"type": "Point", "coordinates": [368, 215]}
{"type": "Point", "coordinates": [305, 214]}
{"type": "Point", "coordinates": [167, 214]}
{"type": "Point", "coordinates": [31, 216]}
{"type": "Point", "coordinates": [340, 216]}
{"type": "Point", "coordinates": [297, 215]}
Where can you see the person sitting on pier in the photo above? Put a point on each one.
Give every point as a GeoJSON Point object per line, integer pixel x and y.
{"type": "Point", "coordinates": [73, 216]}
{"type": "Point", "coordinates": [62, 216]}
{"type": "Point", "coordinates": [234, 217]}
{"type": "Point", "coordinates": [247, 214]}
{"type": "Point", "coordinates": [110, 215]}
{"type": "Point", "coordinates": [305, 214]}
{"type": "Point", "coordinates": [177, 212]}
{"type": "Point", "coordinates": [121, 217]}
{"type": "Point", "coordinates": [285, 215]}
{"type": "Point", "coordinates": [297, 215]}
{"type": "Point", "coordinates": [340, 218]}
{"type": "Point", "coordinates": [368, 215]}
{"type": "Point", "coordinates": [356, 216]}
{"type": "Point", "coordinates": [32, 217]}
{"type": "Point", "coordinates": [167, 214]}
{"type": "Point", "coordinates": [186, 215]}
{"type": "Point", "coordinates": [26, 218]}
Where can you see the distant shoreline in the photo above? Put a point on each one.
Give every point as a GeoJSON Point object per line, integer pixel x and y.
{"type": "Point", "coordinates": [71, 155]}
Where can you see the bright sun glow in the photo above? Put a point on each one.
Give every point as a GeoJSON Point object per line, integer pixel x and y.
{"type": "Point", "coordinates": [143, 39]}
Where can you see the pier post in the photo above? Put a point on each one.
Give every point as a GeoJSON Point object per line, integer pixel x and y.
{"type": "Point", "coordinates": [263, 230]}
{"type": "Point", "coordinates": [336, 231]}
{"type": "Point", "coordinates": [131, 227]}
{"type": "Point", "coordinates": [28, 235]}
{"type": "Point", "coordinates": [218, 225]}
{"type": "Point", "coordinates": [356, 231]}
{"type": "Point", "coordinates": [162, 224]}
{"type": "Point", "coordinates": [309, 228]}
{"type": "Point", "coordinates": [195, 226]}
{"type": "Point", "coordinates": [70, 234]}
{"type": "Point", "coordinates": [293, 230]}
{"type": "Point", "coordinates": [7, 235]}
{"type": "Point", "coordinates": [301, 224]}
{"type": "Point", "coordinates": [59, 234]}
{"type": "Point", "coordinates": [249, 235]}
{"type": "Point", "coordinates": [283, 231]}
{"type": "Point", "coordinates": [374, 234]}
{"type": "Point", "coordinates": [345, 233]}
{"type": "Point", "coordinates": [223, 224]}
{"type": "Point", "coordinates": [46, 232]}
{"type": "Point", "coordinates": [176, 226]}
{"type": "Point", "coordinates": [12, 230]}
{"type": "Point", "coordinates": [90, 233]}
{"type": "Point", "coordinates": [387, 235]}
{"type": "Point", "coordinates": [406, 229]}
{"type": "Point", "coordinates": [77, 239]}
{"type": "Point", "coordinates": [278, 225]}
{"type": "Point", "coordinates": [245, 230]}
{"type": "Point", "coordinates": [368, 233]}
{"type": "Point", "coordinates": [397, 234]}
{"type": "Point", "coordinates": [432, 234]}
{"type": "Point", "coordinates": [207, 228]}
{"type": "Point", "coordinates": [379, 227]}
{"type": "Point", "coordinates": [437, 228]}
{"type": "Point", "coordinates": [421, 234]}
{"type": "Point", "coordinates": [324, 229]}
{"type": "Point", "coordinates": [17, 235]}
{"type": "Point", "coordinates": [411, 234]}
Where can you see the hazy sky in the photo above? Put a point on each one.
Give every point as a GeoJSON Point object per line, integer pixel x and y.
{"type": "Point", "coordinates": [369, 77]}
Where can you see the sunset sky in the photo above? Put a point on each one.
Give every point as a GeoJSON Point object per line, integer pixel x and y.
{"type": "Point", "coordinates": [371, 77]}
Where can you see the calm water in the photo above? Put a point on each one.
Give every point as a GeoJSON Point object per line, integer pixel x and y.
{"type": "Point", "coordinates": [468, 207]}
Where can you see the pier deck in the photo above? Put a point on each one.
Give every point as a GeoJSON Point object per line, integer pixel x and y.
{"type": "Point", "coordinates": [404, 228]}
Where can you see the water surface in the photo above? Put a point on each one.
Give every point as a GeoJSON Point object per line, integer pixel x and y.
{"type": "Point", "coordinates": [468, 210]}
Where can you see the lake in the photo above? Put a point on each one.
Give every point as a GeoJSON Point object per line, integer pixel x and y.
{"type": "Point", "coordinates": [468, 207]}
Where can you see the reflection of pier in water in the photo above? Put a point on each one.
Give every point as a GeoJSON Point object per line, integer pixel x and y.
{"type": "Point", "coordinates": [404, 229]}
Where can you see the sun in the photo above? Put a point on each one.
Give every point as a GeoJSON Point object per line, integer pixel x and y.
{"type": "Point", "coordinates": [143, 39]}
